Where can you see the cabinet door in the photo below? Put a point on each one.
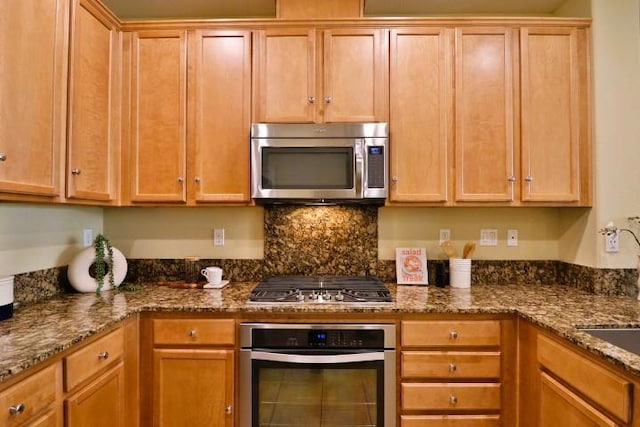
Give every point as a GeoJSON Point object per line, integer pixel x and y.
{"type": "Point", "coordinates": [99, 404]}
{"type": "Point", "coordinates": [33, 42]}
{"type": "Point", "coordinates": [550, 114]}
{"type": "Point", "coordinates": [93, 140]}
{"type": "Point", "coordinates": [220, 110]}
{"type": "Point", "coordinates": [193, 388]}
{"type": "Point", "coordinates": [484, 81]}
{"type": "Point", "coordinates": [561, 407]}
{"type": "Point", "coordinates": [356, 74]}
{"type": "Point", "coordinates": [421, 113]}
{"type": "Point", "coordinates": [158, 122]}
{"type": "Point", "coordinates": [286, 76]}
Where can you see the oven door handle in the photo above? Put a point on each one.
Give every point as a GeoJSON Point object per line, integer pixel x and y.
{"type": "Point", "coordinates": [330, 358]}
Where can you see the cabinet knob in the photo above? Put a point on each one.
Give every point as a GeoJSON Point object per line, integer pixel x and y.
{"type": "Point", "coordinates": [3, 157]}
{"type": "Point", "coordinates": [452, 367]}
{"type": "Point", "coordinates": [512, 178]}
{"type": "Point", "coordinates": [17, 409]}
{"type": "Point", "coordinates": [311, 100]}
{"type": "Point", "coordinates": [180, 179]}
{"type": "Point", "coordinates": [104, 355]}
{"type": "Point", "coordinates": [529, 178]}
{"type": "Point", "coordinates": [328, 100]}
{"type": "Point", "coordinates": [193, 333]}
{"type": "Point", "coordinates": [453, 335]}
{"type": "Point", "coordinates": [453, 399]}
{"type": "Point", "coordinates": [394, 179]}
{"type": "Point", "coordinates": [75, 171]}
{"type": "Point", "coordinates": [197, 179]}
{"type": "Point", "coordinates": [228, 409]}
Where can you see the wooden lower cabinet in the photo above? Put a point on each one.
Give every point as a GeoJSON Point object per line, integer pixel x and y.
{"type": "Point", "coordinates": [193, 388]}
{"type": "Point", "coordinates": [99, 404]}
{"type": "Point", "coordinates": [559, 406]}
{"type": "Point", "coordinates": [450, 421]}
{"type": "Point", "coordinates": [32, 401]}
{"type": "Point", "coordinates": [457, 372]}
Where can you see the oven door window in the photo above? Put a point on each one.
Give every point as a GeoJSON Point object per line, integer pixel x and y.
{"type": "Point", "coordinates": [345, 394]}
{"type": "Point", "coordinates": [307, 168]}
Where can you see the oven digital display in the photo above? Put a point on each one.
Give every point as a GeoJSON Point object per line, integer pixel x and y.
{"type": "Point", "coordinates": [318, 338]}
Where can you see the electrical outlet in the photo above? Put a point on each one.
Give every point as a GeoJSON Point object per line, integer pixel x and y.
{"type": "Point", "coordinates": [512, 237]}
{"type": "Point", "coordinates": [612, 241]}
{"type": "Point", "coordinates": [488, 237]}
{"type": "Point", "coordinates": [445, 234]}
{"type": "Point", "coordinates": [218, 237]}
{"type": "Point", "coordinates": [87, 237]}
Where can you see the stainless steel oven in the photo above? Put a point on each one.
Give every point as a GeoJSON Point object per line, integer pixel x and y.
{"type": "Point", "coordinates": [317, 375]}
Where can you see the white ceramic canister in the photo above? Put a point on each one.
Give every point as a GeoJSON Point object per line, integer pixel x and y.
{"type": "Point", "coordinates": [6, 297]}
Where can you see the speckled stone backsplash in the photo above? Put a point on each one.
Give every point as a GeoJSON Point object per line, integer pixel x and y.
{"type": "Point", "coordinates": [336, 240]}
{"type": "Point", "coordinates": [317, 240]}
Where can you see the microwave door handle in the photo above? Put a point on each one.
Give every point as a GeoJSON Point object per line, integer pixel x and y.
{"type": "Point", "coordinates": [316, 358]}
{"type": "Point", "coordinates": [359, 178]}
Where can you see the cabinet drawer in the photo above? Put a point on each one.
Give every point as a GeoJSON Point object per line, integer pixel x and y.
{"type": "Point", "coordinates": [194, 331]}
{"type": "Point", "coordinates": [450, 421]}
{"type": "Point", "coordinates": [559, 406]}
{"type": "Point", "coordinates": [602, 386]}
{"type": "Point", "coordinates": [439, 333]}
{"type": "Point", "coordinates": [29, 397]}
{"type": "Point", "coordinates": [450, 364]}
{"type": "Point", "coordinates": [92, 358]}
{"type": "Point", "coordinates": [448, 396]}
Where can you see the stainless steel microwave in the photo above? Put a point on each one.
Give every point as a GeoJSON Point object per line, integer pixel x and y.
{"type": "Point", "coordinates": [319, 163]}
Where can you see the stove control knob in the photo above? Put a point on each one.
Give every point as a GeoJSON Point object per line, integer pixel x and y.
{"type": "Point", "coordinates": [326, 296]}
{"type": "Point", "coordinates": [300, 296]}
{"type": "Point", "coordinates": [313, 295]}
{"type": "Point", "coordinates": [339, 296]}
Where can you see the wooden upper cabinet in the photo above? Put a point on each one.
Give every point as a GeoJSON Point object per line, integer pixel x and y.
{"type": "Point", "coordinates": [219, 108]}
{"type": "Point", "coordinates": [421, 113]}
{"type": "Point", "coordinates": [158, 137]}
{"type": "Point", "coordinates": [355, 75]}
{"type": "Point", "coordinates": [94, 97]}
{"type": "Point", "coordinates": [552, 89]}
{"type": "Point", "coordinates": [286, 76]}
{"type": "Point", "coordinates": [33, 42]}
{"type": "Point", "coordinates": [485, 137]}
{"type": "Point", "coordinates": [334, 75]}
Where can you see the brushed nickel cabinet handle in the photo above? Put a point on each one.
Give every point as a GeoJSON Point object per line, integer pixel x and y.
{"type": "Point", "coordinates": [512, 178]}
{"type": "Point", "coordinates": [228, 410]}
{"type": "Point", "coordinates": [453, 335]}
{"type": "Point", "coordinates": [311, 100]}
{"type": "Point", "coordinates": [453, 399]}
{"type": "Point", "coordinates": [75, 171]}
{"type": "Point", "coordinates": [452, 367]}
{"type": "Point", "coordinates": [17, 409]}
{"type": "Point", "coordinates": [180, 179]}
{"type": "Point", "coordinates": [193, 333]}
{"type": "Point", "coordinates": [104, 355]}
{"type": "Point", "coordinates": [197, 179]}
{"type": "Point", "coordinates": [529, 178]}
{"type": "Point", "coordinates": [328, 100]}
{"type": "Point", "coordinates": [3, 157]}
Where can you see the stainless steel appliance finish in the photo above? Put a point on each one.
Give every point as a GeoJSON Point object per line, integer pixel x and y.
{"type": "Point", "coordinates": [317, 374]}
{"type": "Point", "coordinates": [319, 163]}
{"type": "Point", "coordinates": [321, 289]}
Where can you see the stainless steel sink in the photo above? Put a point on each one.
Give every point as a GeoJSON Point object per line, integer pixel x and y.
{"type": "Point", "coordinates": [627, 338]}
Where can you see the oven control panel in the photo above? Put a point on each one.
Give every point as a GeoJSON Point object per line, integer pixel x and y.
{"type": "Point", "coordinates": [317, 338]}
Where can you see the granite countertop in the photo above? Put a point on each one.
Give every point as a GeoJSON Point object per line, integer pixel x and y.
{"type": "Point", "coordinates": [39, 331]}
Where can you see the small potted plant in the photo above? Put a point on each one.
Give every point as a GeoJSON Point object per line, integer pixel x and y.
{"type": "Point", "coordinates": [98, 267]}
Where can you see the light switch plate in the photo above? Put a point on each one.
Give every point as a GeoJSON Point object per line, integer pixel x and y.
{"type": "Point", "coordinates": [488, 237]}
{"type": "Point", "coordinates": [218, 237]}
{"type": "Point", "coordinates": [512, 237]}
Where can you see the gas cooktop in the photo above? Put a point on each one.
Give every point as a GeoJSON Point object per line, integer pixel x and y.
{"type": "Point", "coordinates": [321, 289]}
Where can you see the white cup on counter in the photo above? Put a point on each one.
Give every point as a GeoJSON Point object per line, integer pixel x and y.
{"type": "Point", "coordinates": [213, 275]}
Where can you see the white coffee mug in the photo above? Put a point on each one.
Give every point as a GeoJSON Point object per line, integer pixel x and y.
{"type": "Point", "coordinates": [213, 275]}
